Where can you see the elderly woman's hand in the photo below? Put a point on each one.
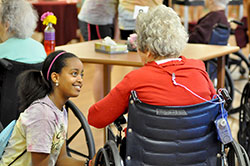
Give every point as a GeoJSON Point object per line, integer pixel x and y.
{"type": "Point", "coordinates": [92, 161]}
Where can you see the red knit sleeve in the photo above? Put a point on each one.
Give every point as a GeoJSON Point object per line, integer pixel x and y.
{"type": "Point", "coordinates": [111, 106]}
{"type": "Point", "coordinates": [210, 84]}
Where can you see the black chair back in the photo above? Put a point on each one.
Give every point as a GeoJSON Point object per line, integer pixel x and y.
{"type": "Point", "coordinates": [8, 90]}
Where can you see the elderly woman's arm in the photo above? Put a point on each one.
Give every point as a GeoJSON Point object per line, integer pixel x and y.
{"type": "Point", "coordinates": [111, 106]}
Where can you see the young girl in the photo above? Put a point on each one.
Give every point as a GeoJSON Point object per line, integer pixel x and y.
{"type": "Point", "coordinates": [40, 132]}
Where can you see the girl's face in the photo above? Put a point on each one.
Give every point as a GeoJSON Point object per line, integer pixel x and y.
{"type": "Point", "coordinates": [71, 78]}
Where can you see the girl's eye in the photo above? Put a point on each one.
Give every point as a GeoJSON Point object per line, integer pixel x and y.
{"type": "Point", "coordinates": [74, 74]}
{"type": "Point", "coordinates": [82, 75]}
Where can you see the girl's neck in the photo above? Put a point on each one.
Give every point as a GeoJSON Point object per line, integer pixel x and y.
{"type": "Point", "coordinates": [57, 100]}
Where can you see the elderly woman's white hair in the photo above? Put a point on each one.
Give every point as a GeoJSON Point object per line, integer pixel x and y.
{"type": "Point", "coordinates": [20, 16]}
{"type": "Point", "coordinates": [160, 32]}
{"type": "Point", "coordinates": [222, 3]}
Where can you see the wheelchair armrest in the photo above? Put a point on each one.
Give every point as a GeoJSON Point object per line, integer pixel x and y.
{"type": "Point", "coordinates": [6, 64]}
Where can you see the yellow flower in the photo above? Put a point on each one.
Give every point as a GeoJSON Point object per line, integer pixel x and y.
{"type": "Point", "coordinates": [50, 19]}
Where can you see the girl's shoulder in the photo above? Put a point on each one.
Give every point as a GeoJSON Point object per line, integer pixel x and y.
{"type": "Point", "coordinates": [43, 107]}
{"type": "Point", "coordinates": [39, 111]}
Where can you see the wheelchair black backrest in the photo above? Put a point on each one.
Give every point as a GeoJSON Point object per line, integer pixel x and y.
{"type": "Point", "coordinates": [8, 91]}
{"type": "Point", "coordinates": [171, 135]}
{"type": "Point", "coordinates": [220, 34]}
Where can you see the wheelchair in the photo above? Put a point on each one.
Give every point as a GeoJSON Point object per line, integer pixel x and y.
{"type": "Point", "coordinates": [174, 136]}
{"type": "Point", "coordinates": [220, 36]}
{"type": "Point", "coordinates": [9, 106]}
{"type": "Point", "coordinates": [8, 90]}
{"type": "Point", "coordinates": [244, 118]}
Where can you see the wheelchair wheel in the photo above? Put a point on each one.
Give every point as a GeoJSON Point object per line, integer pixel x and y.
{"type": "Point", "coordinates": [84, 126]}
{"type": "Point", "coordinates": [244, 119]}
{"type": "Point", "coordinates": [238, 63]}
{"type": "Point", "coordinates": [102, 158]}
{"type": "Point", "coordinates": [108, 155]}
{"type": "Point", "coordinates": [237, 155]}
{"type": "Point", "coordinates": [211, 67]}
{"type": "Point", "coordinates": [113, 153]}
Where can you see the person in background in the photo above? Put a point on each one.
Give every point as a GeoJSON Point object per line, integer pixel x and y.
{"type": "Point", "coordinates": [18, 21]}
{"type": "Point", "coordinates": [39, 135]}
{"type": "Point", "coordinates": [127, 14]}
{"type": "Point", "coordinates": [203, 30]}
{"type": "Point", "coordinates": [161, 39]}
{"type": "Point", "coordinates": [97, 20]}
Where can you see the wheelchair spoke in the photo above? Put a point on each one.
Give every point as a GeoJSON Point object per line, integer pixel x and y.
{"type": "Point", "coordinates": [73, 135]}
{"type": "Point", "coordinates": [84, 126]}
{"type": "Point", "coordinates": [78, 153]}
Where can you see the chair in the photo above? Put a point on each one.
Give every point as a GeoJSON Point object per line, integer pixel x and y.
{"type": "Point", "coordinates": [84, 127]}
{"type": "Point", "coordinates": [8, 95]}
{"type": "Point", "coordinates": [220, 36]}
{"type": "Point", "coordinates": [244, 118]}
{"type": "Point", "coordinates": [176, 136]}
{"type": "Point", "coordinates": [9, 105]}
{"type": "Point", "coordinates": [108, 155]}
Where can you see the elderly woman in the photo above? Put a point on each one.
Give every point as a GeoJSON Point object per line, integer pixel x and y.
{"type": "Point", "coordinates": [17, 24]}
{"type": "Point", "coordinates": [203, 30]}
{"type": "Point", "coordinates": [161, 38]}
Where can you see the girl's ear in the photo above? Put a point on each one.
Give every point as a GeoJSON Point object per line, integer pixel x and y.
{"type": "Point", "coordinates": [54, 77]}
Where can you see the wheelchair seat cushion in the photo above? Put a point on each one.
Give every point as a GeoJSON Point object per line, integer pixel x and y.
{"type": "Point", "coordinates": [220, 35]}
{"type": "Point", "coordinates": [172, 135]}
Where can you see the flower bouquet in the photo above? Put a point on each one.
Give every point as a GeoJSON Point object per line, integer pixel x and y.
{"type": "Point", "coordinates": [48, 17]}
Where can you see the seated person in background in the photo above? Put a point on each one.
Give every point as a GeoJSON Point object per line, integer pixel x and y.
{"type": "Point", "coordinates": [17, 24]}
{"type": "Point", "coordinates": [203, 30]}
{"type": "Point", "coordinates": [39, 135]}
{"type": "Point", "coordinates": [161, 38]}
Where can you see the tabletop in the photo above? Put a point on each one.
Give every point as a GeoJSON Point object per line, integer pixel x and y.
{"type": "Point", "coordinates": [86, 52]}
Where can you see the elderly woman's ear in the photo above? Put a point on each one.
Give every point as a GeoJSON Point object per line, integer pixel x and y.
{"type": "Point", "coordinates": [4, 32]}
{"type": "Point", "coordinates": [6, 26]}
{"type": "Point", "coordinates": [146, 56]}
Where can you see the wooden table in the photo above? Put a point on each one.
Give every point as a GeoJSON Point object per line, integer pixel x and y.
{"type": "Point", "coordinates": [86, 52]}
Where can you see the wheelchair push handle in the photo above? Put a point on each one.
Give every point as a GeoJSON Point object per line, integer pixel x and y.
{"type": "Point", "coordinates": [6, 64]}
{"type": "Point", "coordinates": [224, 93]}
{"type": "Point", "coordinates": [237, 22]}
{"type": "Point", "coordinates": [119, 121]}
